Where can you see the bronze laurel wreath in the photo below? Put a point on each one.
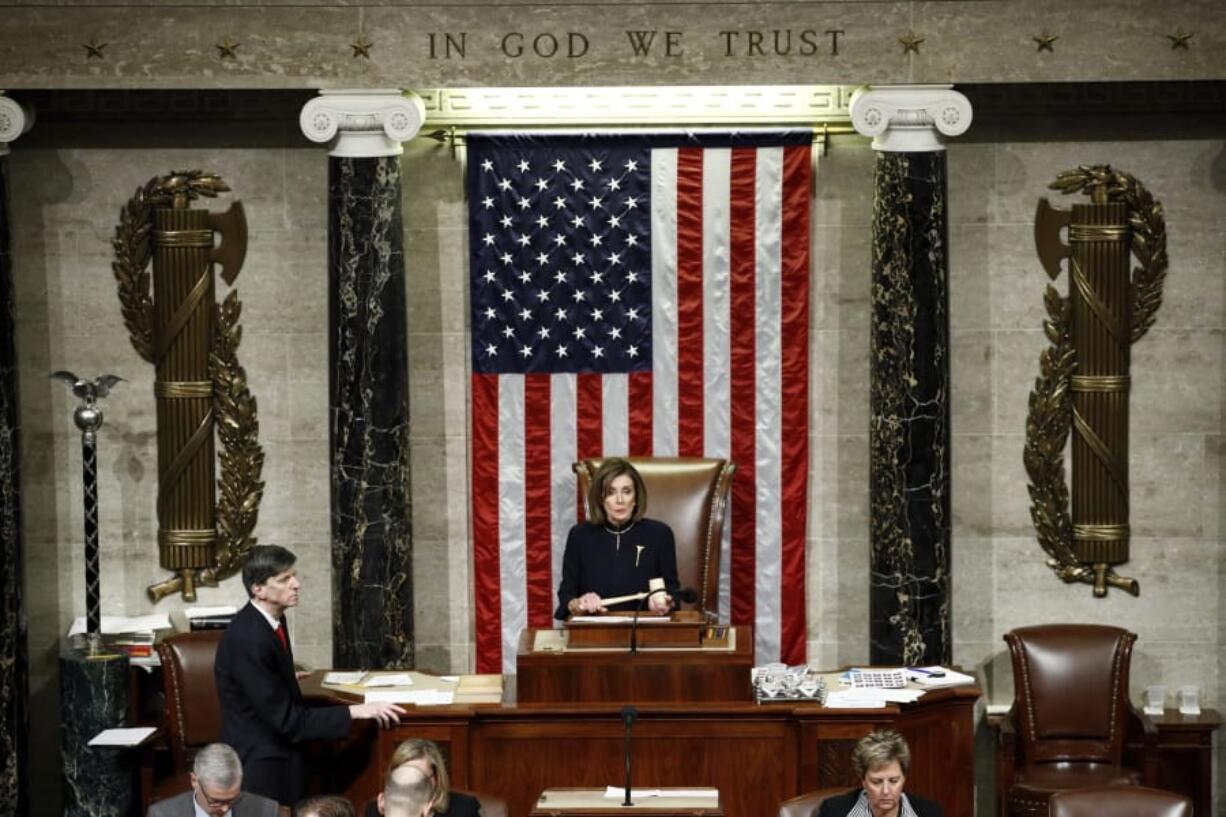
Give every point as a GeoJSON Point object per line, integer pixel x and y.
{"type": "Point", "coordinates": [234, 407]}
{"type": "Point", "coordinates": [1050, 414]}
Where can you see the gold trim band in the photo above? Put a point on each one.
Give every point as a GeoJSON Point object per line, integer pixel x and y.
{"type": "Point", "coordinates": [187, 538]}
{"type": "Point", "coordinates": [1100, 382]}
{"type": "Point", "coordinates": [1100, 533]}
{"type": "Point", "coordinates": [183, 238]}
{"type": "Point", "coordinates": [183, 389]}
{"type": "Point", "coordinates": [1098, 232]}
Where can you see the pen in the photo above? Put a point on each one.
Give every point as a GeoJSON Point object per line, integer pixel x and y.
{"type": "Point", "coordinates": [930, 672]}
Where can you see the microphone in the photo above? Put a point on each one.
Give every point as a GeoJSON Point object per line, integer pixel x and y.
{"type": "Point", "coordinates": [629, 716]}
{"type": "Point", "coordinates": [685, 594]}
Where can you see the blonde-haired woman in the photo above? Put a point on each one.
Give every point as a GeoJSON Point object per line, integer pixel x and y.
{"type": "Point", "coordinates": [425, 755]}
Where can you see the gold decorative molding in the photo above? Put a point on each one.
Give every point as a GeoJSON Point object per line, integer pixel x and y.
{"type": "Point", "coordinates": [648, 106]}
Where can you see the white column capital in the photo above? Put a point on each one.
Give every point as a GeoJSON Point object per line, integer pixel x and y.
{"type": "Point", "coordinates": [365, 123]}
{"type": "Point", "coordinates": [910, 118]}
{"type": "Point", "coordinates": [14, 121]}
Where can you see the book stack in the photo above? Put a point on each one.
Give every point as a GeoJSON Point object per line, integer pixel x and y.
{"type": "Point", "coordinates": [133, 635]}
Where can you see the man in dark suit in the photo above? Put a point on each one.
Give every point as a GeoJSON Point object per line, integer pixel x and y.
{"type": "Point", "coordinates": [217, 783]}
{"type": "Point", "coordinates": [263, 715]}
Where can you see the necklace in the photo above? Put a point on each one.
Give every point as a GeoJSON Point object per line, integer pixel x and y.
{"type": "Point", "coordinates": [618, 533]}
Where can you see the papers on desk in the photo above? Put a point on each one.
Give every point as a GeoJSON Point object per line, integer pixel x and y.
{"type": "Point", "coordinates": [619, 792]}
{"type": "Point", "coordinates": [347, 678]}
{"type": "Point", "coordinates": [936, 677]}
{"type": "Point", "coordinates": [113, 625]}
{"type": "Point", "coordinates": [394, 679]}
{"type": "Point", "coordinates": [133, 736]}
{"type": "Point", "coordinates": [865, 698]}
{"type": "Point", "coordinates": [417, 697]}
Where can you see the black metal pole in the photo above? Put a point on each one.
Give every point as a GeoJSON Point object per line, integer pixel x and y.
{"type": "Point", "coordinates": [93, 571]}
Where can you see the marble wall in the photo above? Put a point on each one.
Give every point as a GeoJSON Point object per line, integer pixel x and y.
{"type": "Point", "coordinates": [68, 183]}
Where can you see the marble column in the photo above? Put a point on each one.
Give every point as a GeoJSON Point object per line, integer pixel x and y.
{"type": "Point", "coordinates": [372, 588]}
{"type": "Point", "coordinates": [909, 434]}
{"type": "Point", "coordinates": [14, 660]}
{"type": "Point", "coordinates": [97, 781]}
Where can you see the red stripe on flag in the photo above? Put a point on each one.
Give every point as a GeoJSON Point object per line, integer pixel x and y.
{"type": "Point", "coordinates": [742, 381]}
{"type": "Point", "coordinates": [689, 303]}
{"type": "Point", "coordinates": [486, 582]}
{"type": "Point", "coordinates": [589, 422]}
{"type": "Point", "coordinates": [794, 420]}
{"type": "Point", "coordinates": [589, 430]}
{"type": "Point", "coordinates": [538, 539]}
{"type": "Point", "coordinates": [640, 414]}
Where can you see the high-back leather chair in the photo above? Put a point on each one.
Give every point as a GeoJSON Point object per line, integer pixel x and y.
{"type": "Point", "coordinates": [193, 714]}
{"type": "Point", "coordinates": [1120, 801]}
{"type": "Point", "coordinates": [809, 803]}
{"type": "Point", "coordinates": [690, 495]}
{"type": "Point", "coordinates": [1070, 716]}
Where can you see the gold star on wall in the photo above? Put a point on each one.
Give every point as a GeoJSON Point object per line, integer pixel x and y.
{"type": "Point", "coordinates": [227, 48]}
{"type": "Point", "coordinates": [93, 48]}
{"type": "Point", "coordinates": [361, 47]}
{"type": "Point", "coordinates": [910, 42]}
{"type": "Point", "coordinates": [1179, 39]}
{"type": "Point", "coordinates": [1045, 41]}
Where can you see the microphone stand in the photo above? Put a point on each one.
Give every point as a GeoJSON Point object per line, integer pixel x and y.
{"type": "Point", "coordinates": [629, 715]}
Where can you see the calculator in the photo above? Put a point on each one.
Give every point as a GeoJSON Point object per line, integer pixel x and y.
{"type": "Point", "coordinates": [878, 679]}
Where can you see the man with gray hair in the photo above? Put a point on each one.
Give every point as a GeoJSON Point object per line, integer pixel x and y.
{"type": "Point", "coordinates": [409, 792]}
{"type": "Point", "coordinates": [217, 783]}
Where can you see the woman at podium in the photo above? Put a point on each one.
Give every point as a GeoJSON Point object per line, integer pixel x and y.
{"type": "Point", "coordinates": [619, 550]}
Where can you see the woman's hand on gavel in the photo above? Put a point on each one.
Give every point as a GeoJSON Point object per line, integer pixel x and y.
{"type": "Point", "coordinates": [660, 603]}
{"type": "Point", "coordinates": [586, 604]}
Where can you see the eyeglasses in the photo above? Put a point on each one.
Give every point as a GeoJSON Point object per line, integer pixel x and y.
{"type": "Point", "coordinates": [215, 802]}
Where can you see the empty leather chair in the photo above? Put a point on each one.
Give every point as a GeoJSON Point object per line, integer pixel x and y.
{"type": "Point", "coordinates": [193, 715]}
{"type": "Point", "coordinates": [1070, 716]}
{"type": "Point", "coordinates": [1120, 801]}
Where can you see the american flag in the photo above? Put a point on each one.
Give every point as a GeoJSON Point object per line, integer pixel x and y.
{"type": "Point", "coordinates": [642, 295]}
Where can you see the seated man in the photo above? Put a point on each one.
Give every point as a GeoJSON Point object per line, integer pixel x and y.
{"type": "Point", "coordinates": [409, 793]}
{"type": "Point", "coordinates": [217, 783]}
{"type": "Point", "coordinates": [881, 760]}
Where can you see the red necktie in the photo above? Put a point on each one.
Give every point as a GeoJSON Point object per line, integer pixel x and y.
{"type": "Point", "coordinates": [281, 636]}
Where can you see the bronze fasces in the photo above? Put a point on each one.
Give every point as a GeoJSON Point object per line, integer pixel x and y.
{"type": "Point", "coordinates": [165, 255]}
{"type": "Point", "coordinates": [1085, 372]}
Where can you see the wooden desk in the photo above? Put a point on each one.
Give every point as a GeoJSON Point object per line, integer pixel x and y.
{"type": "Point", "coordinates": [1185, 755]}
{"type": "Point", "coordinates": [659, 675]}
{"type": "Point", "coordinates": [593, 803]}
{"type": "Point", "coordinates": [756, 755]}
